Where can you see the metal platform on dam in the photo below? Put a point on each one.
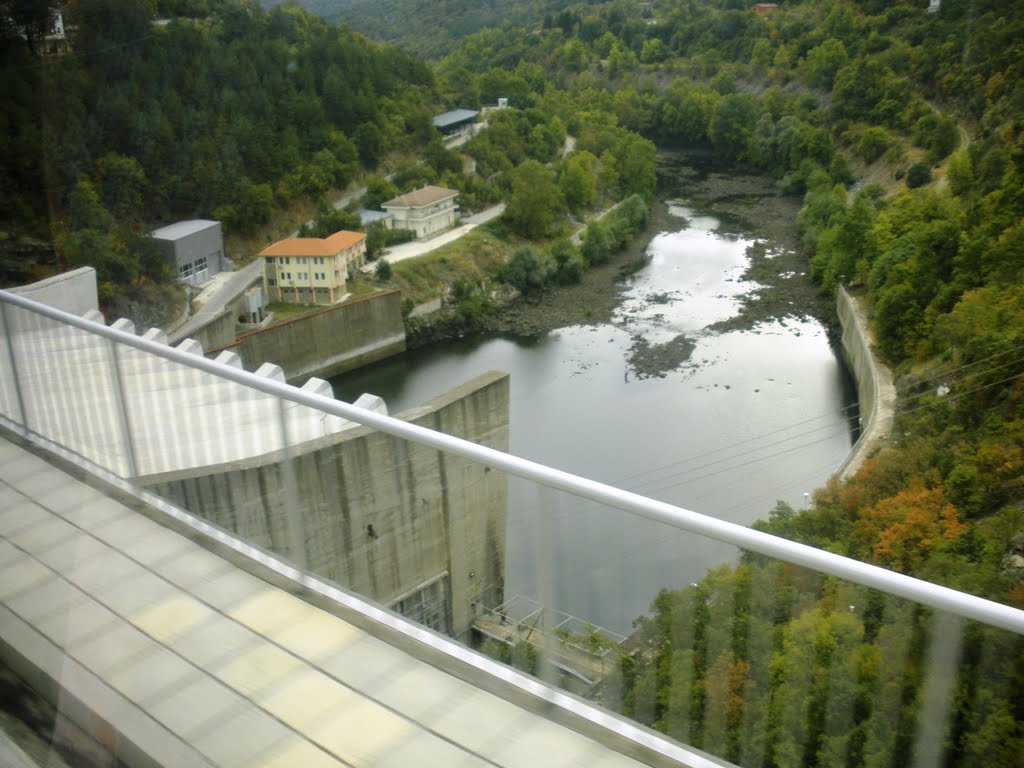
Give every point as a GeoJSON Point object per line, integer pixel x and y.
{"type": "Point", "coordinates": [187, 659]}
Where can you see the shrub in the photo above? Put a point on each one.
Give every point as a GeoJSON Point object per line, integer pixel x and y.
{"type": "Point", "coordinates": [874, 142]}
{"type": "Point", "coordinates": [528, 270]}
{"type": "Point", "coordinates": [918, 175]}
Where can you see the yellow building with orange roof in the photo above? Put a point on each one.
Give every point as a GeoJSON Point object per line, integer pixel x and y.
{"type": "Point", "coordinates": [312, 270]}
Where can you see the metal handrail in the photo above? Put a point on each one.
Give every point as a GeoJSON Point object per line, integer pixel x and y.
{"type": "Point", "coordinates": [924, 592]}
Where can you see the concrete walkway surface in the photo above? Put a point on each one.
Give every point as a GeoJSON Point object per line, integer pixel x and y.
{"type": "Point", "coordinates": [172, 655]}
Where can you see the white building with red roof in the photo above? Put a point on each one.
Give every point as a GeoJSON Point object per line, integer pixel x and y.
{"type": "Point", "coordinates": [312, 270]}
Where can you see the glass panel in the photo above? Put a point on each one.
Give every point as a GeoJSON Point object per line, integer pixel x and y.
{"type": "Point", "coordinates": [752, 659]}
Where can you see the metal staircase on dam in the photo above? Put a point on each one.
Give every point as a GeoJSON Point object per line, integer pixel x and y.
{"type": "Point", "coordinates": [168, 640]}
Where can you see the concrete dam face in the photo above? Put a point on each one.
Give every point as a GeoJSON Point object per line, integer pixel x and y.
{"type": "Point", "coordinates": [403, 524]}
{"type": "Point", "coordinates": [415, 529]}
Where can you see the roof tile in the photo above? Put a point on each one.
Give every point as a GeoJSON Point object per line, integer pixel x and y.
{"type": "Point", "coordinates": [314, 246]}
{"type": "Point", "coordinates": [419, 197]}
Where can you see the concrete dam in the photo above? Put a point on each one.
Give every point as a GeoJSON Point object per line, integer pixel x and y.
{"type": "Point", "coordinates": [404, 525]}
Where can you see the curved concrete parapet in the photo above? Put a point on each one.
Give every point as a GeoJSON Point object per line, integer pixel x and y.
{"type": "Point", "coordinates": [73, 291]}
{"type": "Point", "coordinates": [372, 403]}
{"type": "Point", "coordinates": [271, 371]}
{"type": "Point", "coordinates": [155, 335]}
{"type": "Point", "coordinates": [139, 414]}
{"type": "Point", "coordinates": [875, 389]}
{"type": "Point", "coordinates": [191, 346]}
{"type": "Point", "coordinates": [123, 324]}
{"type": "Point", "coordinates": [230, 358]}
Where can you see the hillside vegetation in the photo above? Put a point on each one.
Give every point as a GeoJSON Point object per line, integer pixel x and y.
{"type": "Point", "coordinates": [232, 112]}
{"type": "Point", "coordinates": [179, 110]}
{"type": "Point", "coordinates": [428, 28]}
{"type": "Point", "coordinates": [765, 664]}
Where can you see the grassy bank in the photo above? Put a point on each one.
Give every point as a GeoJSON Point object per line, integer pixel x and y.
{"type": "Point", "coordinates": [474, 258]}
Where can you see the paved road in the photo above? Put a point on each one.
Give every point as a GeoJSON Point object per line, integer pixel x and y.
{"type": "Point", "coordinates": [419, 247]}
{"type": "Point", "coordinates": [224, 289]}
{"type": "Point", "coordinates": [577, 236]}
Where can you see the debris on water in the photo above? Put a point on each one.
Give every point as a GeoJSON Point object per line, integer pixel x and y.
{"type": "Point", "coordinates": [648, 360]}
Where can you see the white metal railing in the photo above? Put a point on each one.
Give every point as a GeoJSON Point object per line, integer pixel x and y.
{"type": "Point", "coordinates": [950, 600]}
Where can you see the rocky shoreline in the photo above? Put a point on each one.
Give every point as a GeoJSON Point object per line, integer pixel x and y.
{"type": "Point", "coordinates": [745, 203]}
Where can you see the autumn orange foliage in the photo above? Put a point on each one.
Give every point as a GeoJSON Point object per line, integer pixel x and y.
{"type": "Point", "coordinates": [901, 530]}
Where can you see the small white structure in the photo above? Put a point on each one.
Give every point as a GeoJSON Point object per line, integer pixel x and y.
{"type": "Point", "coordinates": [933, 6]}
{"type": "Point", "coordinates": [368, 217]}
{"type": "Point", "coordinates": [424, 211]}
{"type": "Point", "coordinates": [502, 102]}
{"type": "Point", "coordinates": [195, 248]}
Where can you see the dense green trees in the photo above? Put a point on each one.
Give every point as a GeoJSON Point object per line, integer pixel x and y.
{"type": "Point", "coordinates": [766, 664]}
{"type": "Point", "coordinates": [231, 112]}
{"type": "Point", "coordinates": [577, 180]}
{"type": "Point", "coordinates": [228, 114]}
{"type": "Point", "coordinates": [535, 201]}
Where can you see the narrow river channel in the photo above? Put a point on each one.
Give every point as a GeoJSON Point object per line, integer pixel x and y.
{"type": "Point", "coordinates": [751, 417]}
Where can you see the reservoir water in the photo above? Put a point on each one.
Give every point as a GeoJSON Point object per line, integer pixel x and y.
{"type": "Point", "coordinates": [752, 417]}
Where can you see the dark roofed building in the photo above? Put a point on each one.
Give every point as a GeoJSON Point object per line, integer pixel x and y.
{"type": "Point", "coordinates": [454, 121]}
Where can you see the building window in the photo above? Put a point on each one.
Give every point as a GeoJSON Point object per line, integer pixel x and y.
{"type": "Point", "coordinates": [428, 606]}
{"type": "Point", "coordinates": [200, 264]}
{"type": "Point", "coordinates": [271, 282]}
{"type": "Point", "coordinates": [185, 270]}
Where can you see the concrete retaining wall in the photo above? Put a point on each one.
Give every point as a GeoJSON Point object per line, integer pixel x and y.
{"type": "Point", "coordinates": [875, 390]}
{"type": "Point", "coordinates": [431, 514]}
{"type": "Point", "coordinates": [218, 331]}
{"type": "Point", "coordinates": [328, 342]}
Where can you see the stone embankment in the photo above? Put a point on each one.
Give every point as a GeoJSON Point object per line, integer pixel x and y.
{"type": "Point", "coordinates": [875, 389]}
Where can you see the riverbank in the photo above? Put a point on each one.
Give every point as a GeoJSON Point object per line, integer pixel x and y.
{"type": "Point", "coordinates": [742, 203]}
{"type": "Point", "coordinates": [752, 204]}
{"type": "Point", "coordinates": [592, 301]}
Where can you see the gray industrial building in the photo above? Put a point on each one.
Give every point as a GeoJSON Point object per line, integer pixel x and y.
{"type": "Point", "coordinates": [195, 248]}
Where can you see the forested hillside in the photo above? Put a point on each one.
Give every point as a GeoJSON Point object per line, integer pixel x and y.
{"type": "Point", "coordinates": [428, 28]}
{"type": "Point", "coordinates": [902, 131]}
{"type": "Point", "coordinates": [179, 109]}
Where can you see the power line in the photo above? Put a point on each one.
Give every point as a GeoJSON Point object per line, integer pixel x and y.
{"type": "Point", "coordinates": [651, 489]}
{"type": "Point", "coordinates": [845, 412]}
{"type": "Point", "coordinates": [956, 396]}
